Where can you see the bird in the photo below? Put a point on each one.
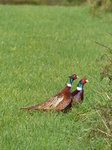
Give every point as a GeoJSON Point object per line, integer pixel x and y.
{"type": "Point", "coordinates": [78, 94]}
{"type": "Point", "coordinates": [58, 101]}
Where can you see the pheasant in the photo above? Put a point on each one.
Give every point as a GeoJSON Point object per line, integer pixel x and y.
{"type": "Point", "coordinates": [58, 101]}
{"type": "Point", "coordinates": [77, 95]}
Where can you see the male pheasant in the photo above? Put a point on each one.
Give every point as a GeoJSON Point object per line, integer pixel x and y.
{"type": "Point", "coordinates": [58, 101]}
{"type": "Point", "coordinates": [77, 95]}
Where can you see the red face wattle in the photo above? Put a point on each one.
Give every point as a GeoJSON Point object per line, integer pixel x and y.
{"type": "Point", "coordinates": [83, 81]}
{"type": "Point", "coordinates": [74, 76]}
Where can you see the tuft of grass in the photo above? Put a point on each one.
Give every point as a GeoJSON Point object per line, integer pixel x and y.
{"type": "Point", "coordinates": [39, 48]}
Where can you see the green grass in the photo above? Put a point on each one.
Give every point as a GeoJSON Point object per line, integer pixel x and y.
{"type": "Point", "coordinates": [39, 48]}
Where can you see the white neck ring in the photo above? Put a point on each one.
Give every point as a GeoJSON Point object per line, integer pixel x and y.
{"type": "Point", "coordinates": [69, 85]}
{"type": "Point", "coordinates": [79, 88]}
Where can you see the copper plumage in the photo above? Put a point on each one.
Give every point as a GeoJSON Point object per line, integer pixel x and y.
{"type": "Point", "coordinates": [58, 101]}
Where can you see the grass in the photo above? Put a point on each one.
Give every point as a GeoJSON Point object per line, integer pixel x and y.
{"type": "Point", "coordinates": [39, 48]}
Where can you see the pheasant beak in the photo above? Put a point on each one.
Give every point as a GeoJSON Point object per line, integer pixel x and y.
{"type": "Point", "coordinates": [87, 81]}
{"type": "Point", "coordinates": [77, 76]}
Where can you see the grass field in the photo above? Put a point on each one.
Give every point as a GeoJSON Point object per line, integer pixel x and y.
{"type": "Point", "coordinates": [39, 48]}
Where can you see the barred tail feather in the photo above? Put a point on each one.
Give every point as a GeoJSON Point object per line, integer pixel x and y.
{"type": "Point", "coordinates": [35, 107]}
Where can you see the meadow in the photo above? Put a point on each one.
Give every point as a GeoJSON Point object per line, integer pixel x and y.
{"type": "Point", "coordinates": [40, 46]}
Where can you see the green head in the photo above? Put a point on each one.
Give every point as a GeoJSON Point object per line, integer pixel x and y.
{"type": "Point", "coordinates": [71, 79]}
{"type": "Point", "coordinates": [81, 84]}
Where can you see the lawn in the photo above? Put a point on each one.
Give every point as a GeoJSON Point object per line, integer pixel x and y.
{"type": "Point", "coordinates": [40, 46]}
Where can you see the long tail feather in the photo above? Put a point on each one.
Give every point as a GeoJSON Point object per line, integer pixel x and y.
{"type": "Point", "coordinates": [35, 107]}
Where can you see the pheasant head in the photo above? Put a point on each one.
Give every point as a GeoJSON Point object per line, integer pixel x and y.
{"type": "Point", "coordinates": [81, 84]}
{"type": "Point", "coordinates": [71, 79]}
